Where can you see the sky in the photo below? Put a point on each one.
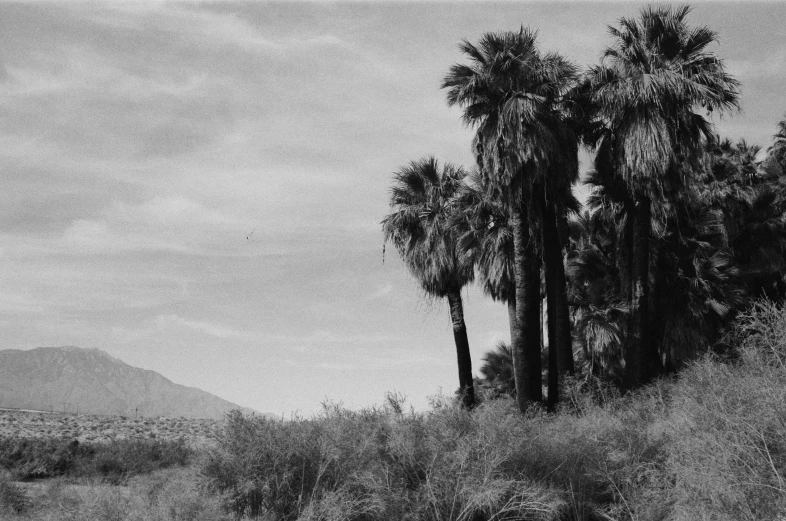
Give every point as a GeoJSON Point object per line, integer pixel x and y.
{"type": "Point", "coordinates": [197, 188]}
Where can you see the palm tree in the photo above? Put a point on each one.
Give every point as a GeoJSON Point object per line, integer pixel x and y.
{"type": "Point", "coordinates": [752, 200]}
{"type": "Point", "coordinates": [645, 91]}
{"type": "Point", "coordinates": [482, 224]}
{"type": "Point", "coordinates": [527, 157]}
{"type": "Point", "coordinates": [777, 152]}
{"type": "Point", "coordinates": [497, 371]}
{"type": "Point", "coordinates": [421, 199]}
{"type": "Point", "coordinates": [697, 286]}
{"type": "Point", "coordinates": [599, 305]}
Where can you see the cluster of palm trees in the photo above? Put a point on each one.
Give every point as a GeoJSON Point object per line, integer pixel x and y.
{"type": "Point", "coordinates": [680, 230]}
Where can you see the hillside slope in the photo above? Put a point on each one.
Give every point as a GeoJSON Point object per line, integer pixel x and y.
{"type": "Point", "coordinates": [71, 378]}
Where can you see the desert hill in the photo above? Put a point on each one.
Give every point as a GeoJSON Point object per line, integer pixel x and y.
{"type": "Point", "coordinates": [90, 381]}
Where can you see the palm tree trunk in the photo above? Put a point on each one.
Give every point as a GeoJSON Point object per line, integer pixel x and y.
{"type": "Point", "coordinates": [466, 384]}
{"type": "Point", "coordinates": [514, 329]}
{"type": "Point", "coordinates": [526, 344]}
{"type": "Point", "coordinates": [560, 341]}
{"type": "Point", "coordinates": [564, 325]}
{"type": "Point", "coordinates": [637, 350]}
{"type": "Point", "coordinates": [514, 335]}
{"type": "Point", "coordinates": [535, 344]}
{"type": "Point", "coordinates": [553, 378]}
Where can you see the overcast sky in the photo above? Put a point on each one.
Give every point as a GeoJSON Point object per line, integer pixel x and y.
{"type": "Point", "coordinates": [197, 188]}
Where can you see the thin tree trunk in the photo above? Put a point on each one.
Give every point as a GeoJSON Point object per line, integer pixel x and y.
{"type": "Point", "coordinates": [527, 342]}
{"type": "Point", "coordinates": [466, 384]}
{"type": "Point", "coordinates": [637, 359]}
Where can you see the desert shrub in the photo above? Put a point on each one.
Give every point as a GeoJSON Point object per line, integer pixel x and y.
{"type": "Point", "coordinates": [37, 458]}
{"type": "Point", "coordinates": [29, 458]}
{"type": "Point", "coordinates": [167, 495]}
{"type": "Point", "coordinates": [120, 459]}
{"type": "Point", "coordinates": [90, 500]}
{"type": "Point", "coordinates": [13, 498]}
{"type": "Point", "coordinates": [175, 495]}
{"type": "Point", "coordinates": [378, 464]}
{"type": "Point", "coordinates": [264, 465]}
{"type": "Point", "coordinates": [585, 391]}
{"type": "Point", "coordinates": [727, 458]}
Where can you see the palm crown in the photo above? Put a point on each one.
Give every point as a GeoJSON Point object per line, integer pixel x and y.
{"type": "Point", "coordinates": [511, 93]}
{"type": "Point", "coordinates": [422, 196]}
{"type": "Point", "coordinates": [651, 80]}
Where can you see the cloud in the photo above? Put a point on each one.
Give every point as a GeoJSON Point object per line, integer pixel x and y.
{"type": "Point", "coordinates": [333, 366]}
{"type": "Point", "coordinates": [322, 336]}
{"type": "Point", "coordinates": [381, 292]}
{"type": "Point", "coordinates": [760, 66]}
{"type": "Point", "coordinates": [99, 237]}
{"type": "Point", "coordinates": [175, 210]}
{"type": "Point", "coordinates": [209, 328]}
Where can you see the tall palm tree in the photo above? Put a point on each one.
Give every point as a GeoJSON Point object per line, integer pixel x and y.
{"type": "Point", "coordinates": [646, 92]}
{"type": "Point", "coordinates": [418, 226]}
{"type": "Point", "coordinates": [527, 157]}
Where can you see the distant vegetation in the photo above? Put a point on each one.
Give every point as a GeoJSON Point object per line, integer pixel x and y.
{"type": "Point", "coordinates": [114, 462]}
{"type": "Point", "coordinates": [91, 428]}
{"type": "Point", "coordinates": [681, 232]}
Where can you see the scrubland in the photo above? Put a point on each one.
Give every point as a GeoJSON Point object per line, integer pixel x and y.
{"type": "Point", "coordinates": [99, 429]}
{"type": "Point", "coordinates": [708, 444]}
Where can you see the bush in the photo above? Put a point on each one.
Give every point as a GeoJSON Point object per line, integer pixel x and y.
{"type": "Point", "coordinates": [376, 464]}
{"type": "Point", "coordinates": [118, 460]}
{"type": "Point", "coordinates": [168, 495]}
{"type": "Point", "coordinates": [175, 495]}
{"type": "Point", "coordinates": [36, 458]}
{"type": "Point", "coordinates": [13, 498]}
{"type": "Point", "coordinates": [115, 461]}
{"type": "Point", "coordinates": [727, 458]}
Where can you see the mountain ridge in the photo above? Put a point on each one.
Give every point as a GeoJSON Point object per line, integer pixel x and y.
{"type": "Point", "coordinates": [91, 381]}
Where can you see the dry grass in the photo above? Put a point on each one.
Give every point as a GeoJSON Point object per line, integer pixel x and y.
{"type": "Point", "coordinates": [171, 495]}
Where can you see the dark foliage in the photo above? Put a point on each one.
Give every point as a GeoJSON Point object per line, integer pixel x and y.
{"type": "Point", "coordinates": [31, 458]}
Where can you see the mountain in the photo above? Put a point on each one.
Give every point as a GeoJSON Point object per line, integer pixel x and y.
{"type": "Point", "coordinates": [71, 378]}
